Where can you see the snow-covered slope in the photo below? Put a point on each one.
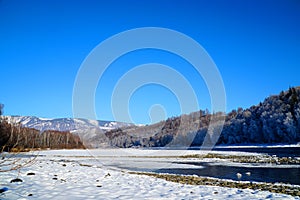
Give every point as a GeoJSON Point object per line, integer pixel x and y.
{"type": "Point", "coordinates": [65, 124]}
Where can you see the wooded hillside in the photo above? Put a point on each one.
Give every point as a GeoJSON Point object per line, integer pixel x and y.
{"type": "Point", "coordinates": [275, 120]}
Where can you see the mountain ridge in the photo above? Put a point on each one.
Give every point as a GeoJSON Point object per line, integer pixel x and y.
{"type": "Point", "coordinates": [64, 124]}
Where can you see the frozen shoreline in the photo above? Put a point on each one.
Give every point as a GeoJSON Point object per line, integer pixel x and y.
{"type": "Point", "coordinates": [78, 174]}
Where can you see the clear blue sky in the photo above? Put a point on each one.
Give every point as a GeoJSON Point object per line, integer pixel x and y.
{"type": "Point", "coordinates": [255, 44]}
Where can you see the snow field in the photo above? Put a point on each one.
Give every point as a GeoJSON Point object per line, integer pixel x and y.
{"type": "Point", "coordinates": [56, 176]}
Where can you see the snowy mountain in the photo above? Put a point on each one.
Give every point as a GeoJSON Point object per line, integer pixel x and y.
{"type": "Point", "coordinates": [83, 127]}
{"type": "Point", "coordinates": [65, 124]}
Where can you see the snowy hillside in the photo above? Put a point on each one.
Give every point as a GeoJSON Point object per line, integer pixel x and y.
{"type": "Point", "coordinates": [65, 124]}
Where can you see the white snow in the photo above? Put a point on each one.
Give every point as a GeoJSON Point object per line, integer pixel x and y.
{"type": "Point", "coordinates": [43, 119]}
{"type": "Point", "coordinates": [84, 174]}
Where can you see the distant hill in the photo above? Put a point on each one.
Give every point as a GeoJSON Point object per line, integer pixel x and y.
{"type": "Point", "coordinates": [64, 124]}
{"type": "Point", "coordinates": [85, 128]}
{"type": "Point", "coordinates": [275, 120]}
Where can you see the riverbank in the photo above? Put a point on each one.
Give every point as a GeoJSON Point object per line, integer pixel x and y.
{"type": "Point", "coordinates": [293, 190]}
{"type": "Point", "coordinates": [94, 174]}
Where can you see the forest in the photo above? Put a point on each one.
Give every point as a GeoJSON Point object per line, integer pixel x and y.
{"type": "Point", "coordinates": [276, 120]}
{"type": "Point", "coordinates": [14, 137]}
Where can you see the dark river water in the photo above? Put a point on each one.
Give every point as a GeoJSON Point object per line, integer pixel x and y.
{"type": "Point", "coordinates": [261, 174]}
{"type": "Point", "coordinates": [278, 151]}
{"type": "Point", "coordinates": [272, 175]}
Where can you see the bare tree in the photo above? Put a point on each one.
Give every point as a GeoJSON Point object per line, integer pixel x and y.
{"type": "Point", "coordinates": [10, 155]}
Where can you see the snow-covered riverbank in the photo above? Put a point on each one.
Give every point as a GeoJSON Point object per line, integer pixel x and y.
{"type": "Point", "coordinates": [82, 174]}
